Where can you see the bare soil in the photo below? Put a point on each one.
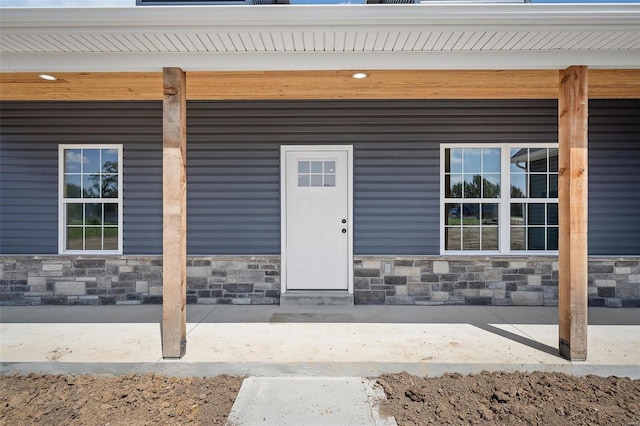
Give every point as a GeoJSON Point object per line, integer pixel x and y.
{"type": "Point", "coordinates": [116, 400]}
{"type": "Point", "coordinates": [511, 398]}
{"type": "Point", "coordinates": [487, 398]}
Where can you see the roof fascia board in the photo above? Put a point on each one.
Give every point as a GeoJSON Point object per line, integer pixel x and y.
{"type": "Point", "coordinates": [278, 61]}
{"type": "Point", "coordinates": [189, 17]}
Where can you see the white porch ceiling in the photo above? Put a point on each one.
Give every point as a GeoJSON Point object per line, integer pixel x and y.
{"type": "Point", "coordinates": [428, 36]}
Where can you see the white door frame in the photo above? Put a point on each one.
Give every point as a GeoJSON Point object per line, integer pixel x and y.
{"type": "Point", "coordinates": [283, 206]}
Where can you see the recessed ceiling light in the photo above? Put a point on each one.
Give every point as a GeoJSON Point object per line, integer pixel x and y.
{"type": "Point", "coordinates": [359, 75]}
{"type": "Point", "coordinates": [47, 77]}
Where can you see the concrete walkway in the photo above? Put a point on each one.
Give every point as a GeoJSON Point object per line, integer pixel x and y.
{"type": "Point", "coordinates": [313, 347]}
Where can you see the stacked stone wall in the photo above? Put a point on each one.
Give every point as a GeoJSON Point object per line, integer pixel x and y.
{"type": "Point", "coordinates": [59, 280]}
{"type": "Point", "coordinates": [417, 280]}
{"type": "Point", "coordinates": [528, 281]}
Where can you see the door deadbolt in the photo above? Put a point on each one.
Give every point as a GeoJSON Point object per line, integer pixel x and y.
{"type": "Point", "coordinates": [344, 220]}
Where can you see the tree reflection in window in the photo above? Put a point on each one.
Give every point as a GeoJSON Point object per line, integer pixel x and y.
{"type": "Point", "coordinates": [91, 192]}
{"type": "Point", "coordinates": [472, 189]}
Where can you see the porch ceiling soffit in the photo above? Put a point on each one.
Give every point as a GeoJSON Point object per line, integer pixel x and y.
{"type": "Point", "coordinates": [344, 37]}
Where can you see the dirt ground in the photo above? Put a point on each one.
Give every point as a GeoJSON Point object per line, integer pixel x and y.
{"type": "Point", "coordinates": [511, 398]}
{"type": "Point", "coordinates": [488, 398]}
{"type": "Point", "coordinates": [116, 400]}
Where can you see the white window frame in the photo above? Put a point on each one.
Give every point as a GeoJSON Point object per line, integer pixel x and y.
{"type": "Point", "coordinates": [504, 201]}
{"type": "Point", "coordinates": [62, 201]}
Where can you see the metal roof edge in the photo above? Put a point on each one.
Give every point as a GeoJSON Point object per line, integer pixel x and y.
{"type": "Point", "coordinates": [600, 15]}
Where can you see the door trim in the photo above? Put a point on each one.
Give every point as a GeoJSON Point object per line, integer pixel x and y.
{"type": "Point", "coordinates": [284, 149]}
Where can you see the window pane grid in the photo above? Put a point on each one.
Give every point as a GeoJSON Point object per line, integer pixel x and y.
{"type": "Point", "coordinates": [317, 173]}
{"type": "Point", "coordinates": [534, 226]}
{"type": "Point", "coordinates": [90, 199]}
{"type": "Point", "coordinates": [91, 173]}
{"type": "Point", "coordinates": [472, 226]}
{"type": "Point", "coordinates": [471, 183]}
{"type": "Point", "coordinates": [472, 173]}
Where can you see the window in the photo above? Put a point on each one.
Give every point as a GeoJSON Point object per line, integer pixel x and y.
{"type": "Point", "coordinates": [480, 214]}
{"type": "Point", "coordinates": [316, 173]}
{"type": "Point", "coordinates": [90, 215]}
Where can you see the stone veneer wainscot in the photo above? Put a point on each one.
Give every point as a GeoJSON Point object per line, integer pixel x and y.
{"type": "Point", "coordinates": [415, 280]}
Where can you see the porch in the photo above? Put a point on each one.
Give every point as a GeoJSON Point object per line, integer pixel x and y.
{"type": "Point", "coordinates": [328, 341]}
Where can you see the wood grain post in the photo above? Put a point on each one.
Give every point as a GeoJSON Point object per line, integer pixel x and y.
{"type": "Point", "coordinates": [174, 214]}
{"type": "Point", "coordinates": [572, 212]}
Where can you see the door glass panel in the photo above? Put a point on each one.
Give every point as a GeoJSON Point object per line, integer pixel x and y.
{"type": "Point", "coordinates": [303, 167]}
{"type": "Point", "coordinates": [303, 180]}
{"type": "Point", "coordinates": [316, 173]}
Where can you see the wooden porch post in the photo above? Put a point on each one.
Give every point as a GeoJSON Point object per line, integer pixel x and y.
{"type": "Point", "coordinates": [572, 212]}
{"type": "Point", "coordinates": [174, 214]}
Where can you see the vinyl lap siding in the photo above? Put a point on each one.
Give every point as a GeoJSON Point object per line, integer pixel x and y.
{"type": "Point", "coordinates": [30, 133]}
{"type": "Point", "coordinates": [28, 195]}
{"type": "Point", "coordinates": [233, 165]}
{"type": "Point", "coordinates": [234, 178]}
{"type": "Point", "coordinates": [614, 177]}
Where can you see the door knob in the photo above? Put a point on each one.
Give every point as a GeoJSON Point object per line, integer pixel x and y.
{"type": "Point", "coordinates": [344, 231]}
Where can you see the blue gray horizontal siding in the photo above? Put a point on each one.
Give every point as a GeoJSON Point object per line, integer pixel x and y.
{"type": "Point", "coordinates": [233, 167]}
{"type": "Point", "coordinates": [396, 164]}
{"type": "Point", "coordinates": [30, 133]}
{"type": "Point", "coordinates": [614, 177]}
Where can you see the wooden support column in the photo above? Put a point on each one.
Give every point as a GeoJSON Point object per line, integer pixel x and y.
{"type": "Point", "coordinates": [572, 212]}
{"type": "Point", "coordinates": [174, 214]}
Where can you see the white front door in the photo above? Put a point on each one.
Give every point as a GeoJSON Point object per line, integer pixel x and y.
{"type": "Point", "coordinates": [316, 218]}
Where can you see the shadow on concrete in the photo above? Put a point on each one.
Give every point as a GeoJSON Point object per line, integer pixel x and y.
{"type": "Point", "coordinates": [519, 339]}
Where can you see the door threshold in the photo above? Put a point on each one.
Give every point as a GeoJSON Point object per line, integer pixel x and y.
{"type": "Point", "coordinates": [316, 298]}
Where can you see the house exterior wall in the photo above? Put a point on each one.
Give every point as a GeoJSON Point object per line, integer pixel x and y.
{"type": "Point", "coordinates": [233, 168]}
{"type": "Point", "coordinates": [243, 280]}
{"type": "Point", "coordinates": [234, 207]}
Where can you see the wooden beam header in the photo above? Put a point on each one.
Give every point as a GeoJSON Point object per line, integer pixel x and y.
{"type": "Point", "coordinates": [281, 85]}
